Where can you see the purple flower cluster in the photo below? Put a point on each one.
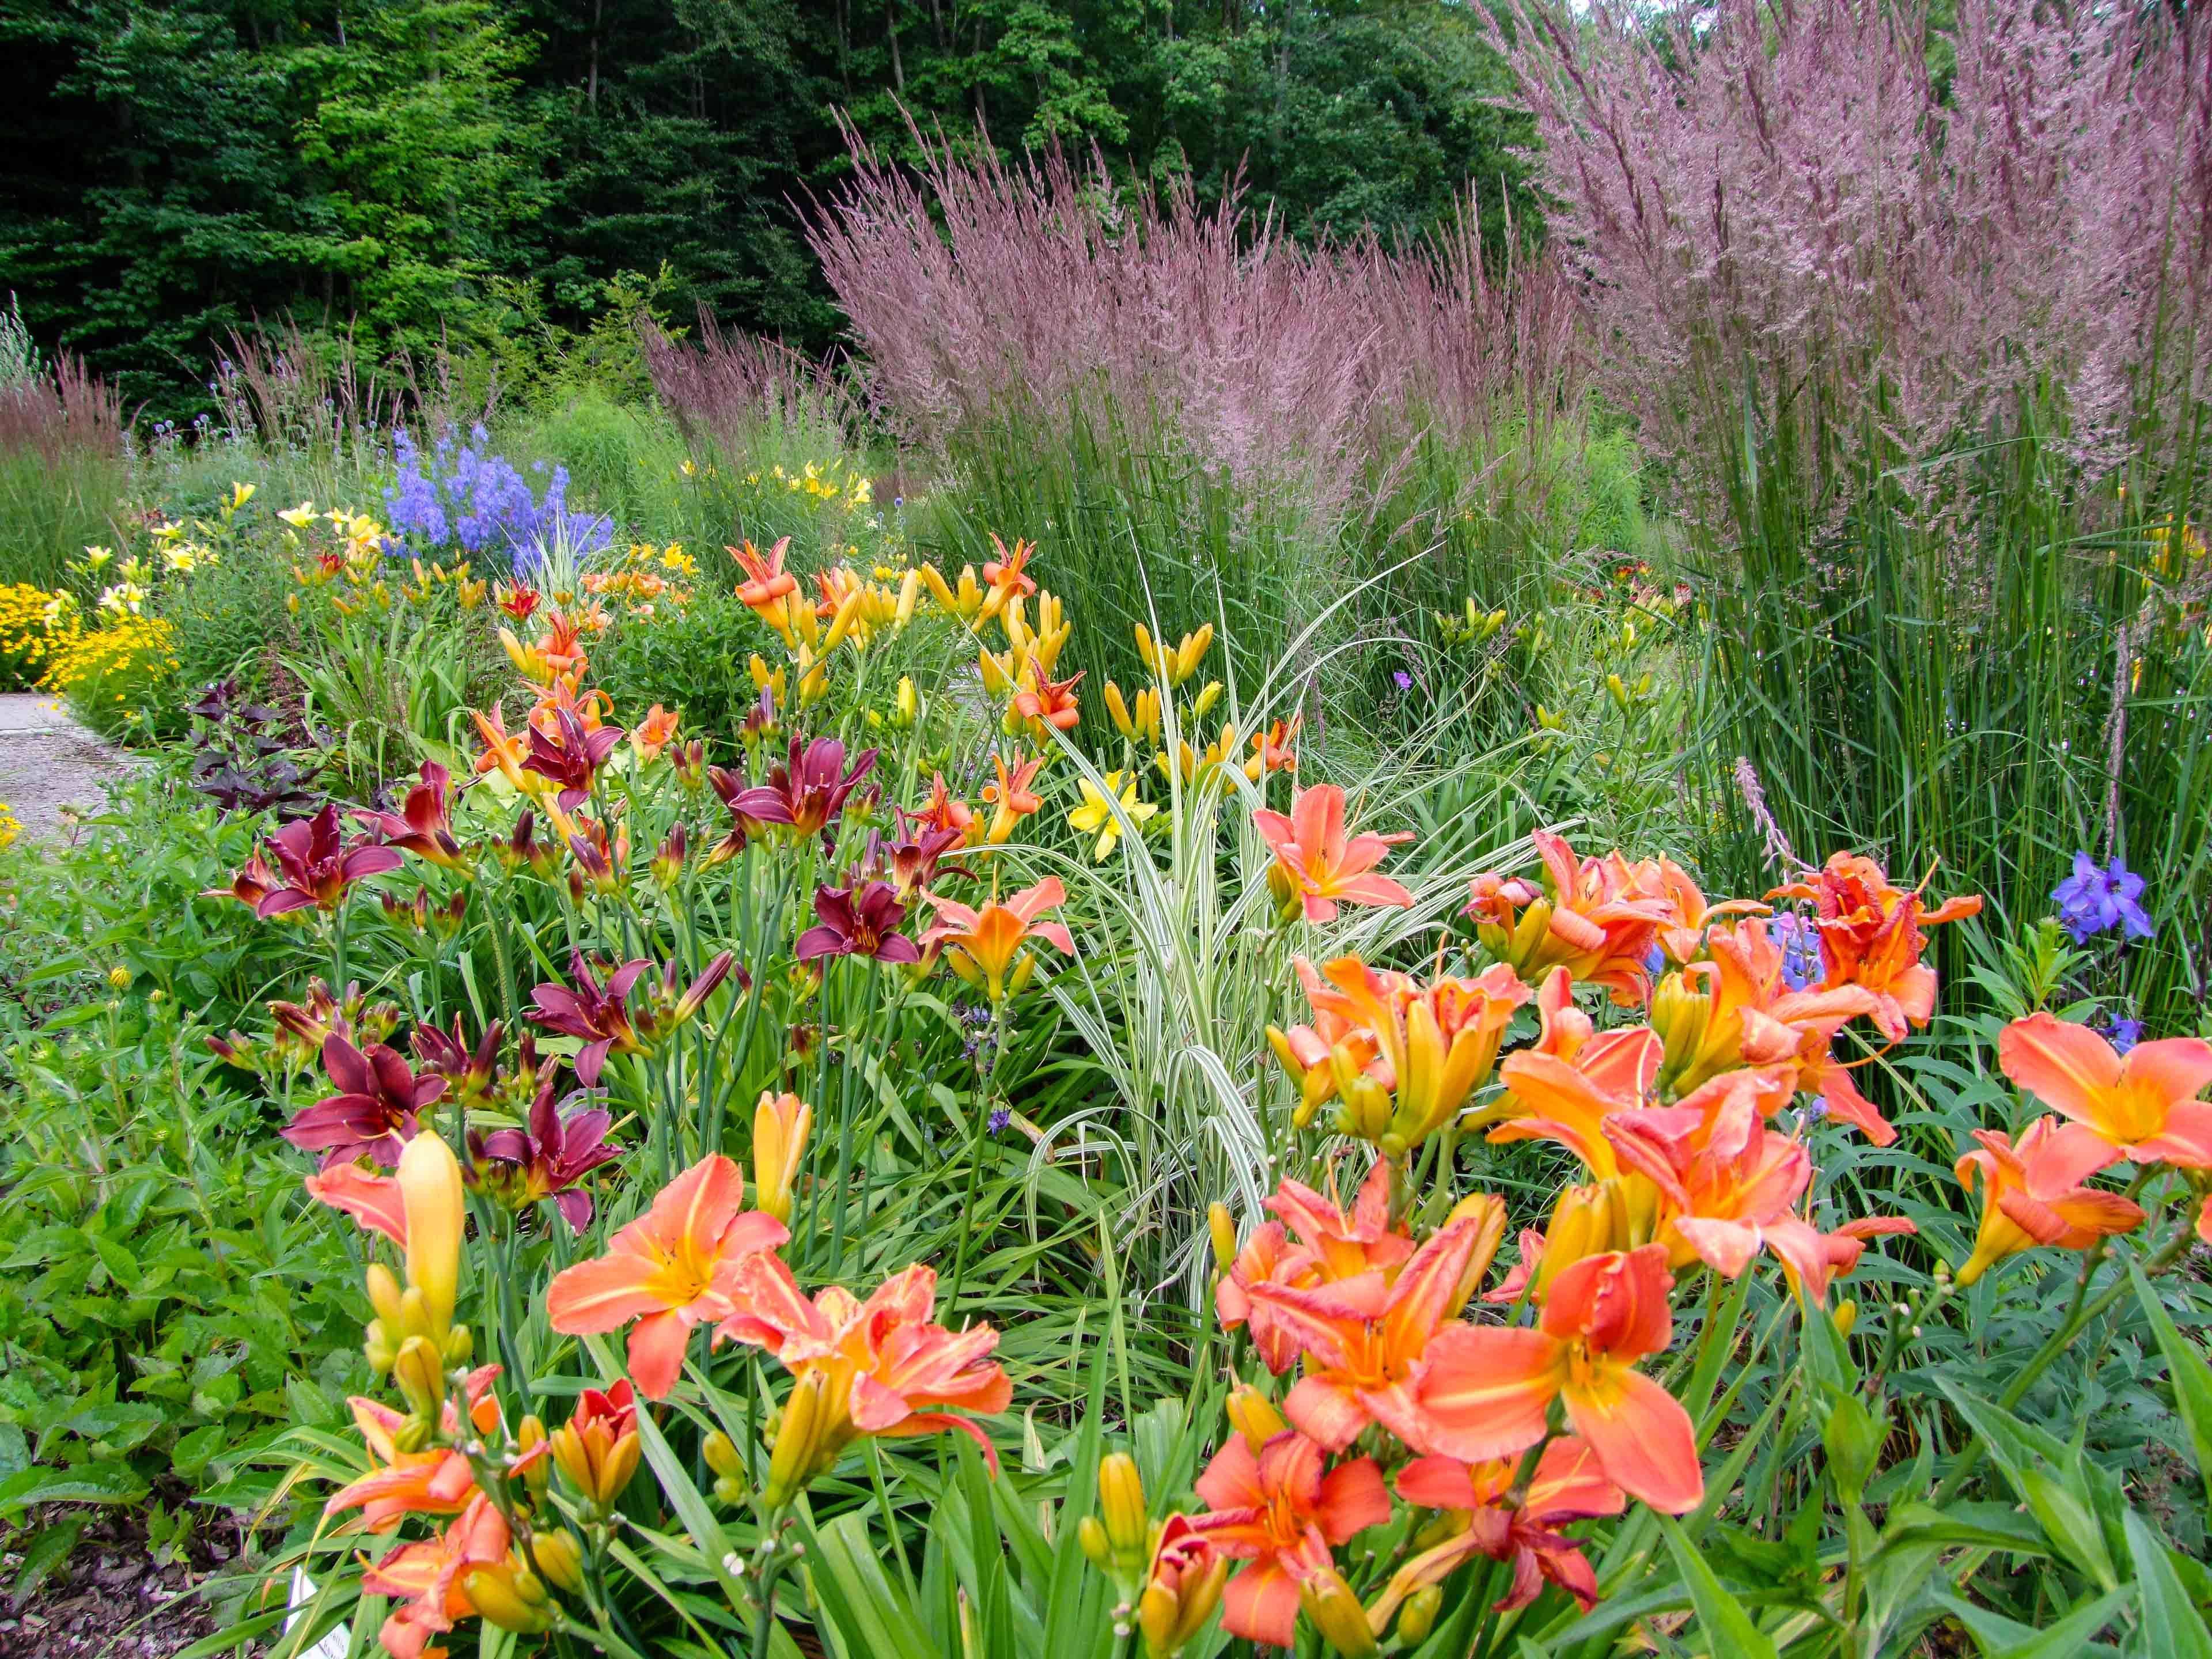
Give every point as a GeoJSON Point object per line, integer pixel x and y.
{"type": "Point", "coordinates": [2094, 900]}
{"type": "Point", "coordinates": [1800, 939]}
{"type": "Point", "coordinates": [460, 495]}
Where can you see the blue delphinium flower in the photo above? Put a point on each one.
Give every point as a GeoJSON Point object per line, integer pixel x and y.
{"type": "Point", "coordinates": [461, 496]}
{"type": "Point", "coordinates": [2094, 901]}
{"type": "Point", "coordinates": [2124, 1034]}
{"type": "Point", "coordinates": [1799, 940]}
{"type": "Point", "coordinates": [998, 1119]}
{"type": "Point", "coordinates": [1655, 961]}
{"type": "Point", "coordinates": [1401, 679]}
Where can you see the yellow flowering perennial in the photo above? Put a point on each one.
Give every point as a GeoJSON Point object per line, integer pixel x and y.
{"type": "Point", "coordinates": [34, 625]}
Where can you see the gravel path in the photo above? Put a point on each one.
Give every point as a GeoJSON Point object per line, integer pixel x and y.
{"type": "Point", "coordinates": [48, 762]}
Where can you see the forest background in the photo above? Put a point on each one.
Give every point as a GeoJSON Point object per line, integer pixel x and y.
{"type": "Point", "coordinates": [498, 174]}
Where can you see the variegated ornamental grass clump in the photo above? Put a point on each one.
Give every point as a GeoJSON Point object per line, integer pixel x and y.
{"type": "Point", "coordinates": [1546, 1274]}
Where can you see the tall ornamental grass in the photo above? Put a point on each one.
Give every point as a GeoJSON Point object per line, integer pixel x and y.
{"type": "Point", "coordinates": [1203, 419]}
{"type": "Point", "coordinates": [63, 469]}
{"type": "Point", "coordinates": [1913, 317]}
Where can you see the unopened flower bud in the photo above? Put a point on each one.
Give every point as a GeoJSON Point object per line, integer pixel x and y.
{"type": "Point", "coordinates": [560, 1557]}
{"type": "Point", "coordinates": [1336, 1613]}
{"type": "Point", "coordinates": [1418, 1616]}
{"type": "Point", "coordinates": [1223, 1229]}
{"type": "Point", "coordinates": [1254, 1416]}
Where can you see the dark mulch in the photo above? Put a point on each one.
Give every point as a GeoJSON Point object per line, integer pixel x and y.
{"type": "Point", "coordinates": [110, 1599]}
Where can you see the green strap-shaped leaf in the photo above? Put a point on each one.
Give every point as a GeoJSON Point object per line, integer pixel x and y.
{"type": "Point", "coordinates": [1726, 1625]}
{"type": "Point", "coordinates": [2185, 1367]}
{"type": "Point", "coordinates": [2172, 1626]}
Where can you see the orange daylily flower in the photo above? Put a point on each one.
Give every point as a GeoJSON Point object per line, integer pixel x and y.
{"type": "Point", "coordinates": [1568, 1485]}
{"type": "Point", "coordinates": [1364, 1344]}
{"type": "Point", "coordinates": [591, 708]}
{"type": "Point", "coordinates": [425, 1580]}
{"type": "Point", "coordinates": [861, 1367]}
{"type": "Point", "coordinates": [1271, 751]}
{"type": "Point", "coordinates": [1011, 799]}
{"type": "Point", "coordinates": [1051, 702]}
{"type": "Point", "coordinates": [1316, 866]}
{"type": "Point", "coordinates": [942, 810]}
{"type": "Point", "coordinates": [768, 588]}
{"type": "Point", "coordinates": [1737, 1010]}
{"type": "Point", "coordinates": [399, 1483]}
{"type": "Point", "coordinates": [653, 733]}
{"type": "Point", "coordinates": [1428, 1047]}
{"type": "Point", "coordinates": [2033, 1193]}
{"type": "Point", "coordinates": [1684, 935]}
{"type": "Point", "coordinates": [1334, 1245]}
{"type": "Point", "coordinates": [504, 753]}
{"type": "Point", "coordinates": [1870, 936]}
{"type": "Point", "coordinates": [1597, 918]}
{"type": "Point", "coordinates": [1280, 1510]}
{"type": "Point", "coordinates": [2143, 1105]}
{"type": "Point", "coordinates": [373, 1201]}
{"type": "Point", "coordinates": [986, 945]}
{"type": "Point", "coordinates": [1567, 1096]}
{"type": "Point", "coordinates": [669, 1270]}
{"type": "Point", "coordinates": [1006, 575]}
{"type": "Point", "coordinates": [1488, 1389]}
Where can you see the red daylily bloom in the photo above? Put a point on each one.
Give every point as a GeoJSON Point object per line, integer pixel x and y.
{"type": "Point", "coordinates": [942, 811]}
{"type": "Point", "coordinates": [373, 1111]}
{"type": "Point", "coordinates": [424, 825]}
{"type": "Point", "coordinates": [314, 867]}
{"type": "Point", "coordinates": [673, 1267]}
{"type": "Point", "coordinates": [519, 600]}
{"type": "Point", "coordinates": [1870, 936]}
{"type": "Point", "coordinates": [468, 1072]}
{"type": "Point", "coordinates": [552, 1156]}
{"type": "Point", "coordinates": [597, 1014]}
{"type": "Point", "coordinates": [1048, 702]}
{"type": "Point", "coordinates": [858, 920]}
{"type": "Point", "coordinates": [1317, 866]}
{"type": "Point", "coordinates": [877, 1367]}
{"type": "Point", "coordinates": [1488, 1389]}
{"type": "Point", "coordinates": [752, 808]}
{"type": "Point", "coordinates": [1334, 1246]}
{"type": "Point", "coordinates": [569, 756]}
{"type": "Point", "coordinates": [2144, 1104]}
{"type": "Point", "coordinates": [1283, 1512]}
{"type": "Point", "coordinates": [813, 785]}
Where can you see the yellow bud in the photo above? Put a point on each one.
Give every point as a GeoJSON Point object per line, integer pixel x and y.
{"type": "Point", "coordinates": [384, 1294]}
{"type": "Point", "coordinates": [419, 1373]}
{"type": "Point", "coordinates": [722, 1455]}
{"type": "Point", "coordinates": [782, 1124]}
{"type": "Point", "coordinates": [909, 594]}
{"type": "Point", "coordinates": [1223, 1228]}
{"type": "Point", "coordinates": [1147, 652]}
{"type": "Point", "coordinates": [1091, 1533]}
{"type": "Point", "coordinates": [1209, 695]}
{"type": "Point", "coordinates": [494, 1592]}
{"type": "Point", "coordinates": [1418, 1616]}
{"type": "Point", "coordinates": [559, 1558]}
{"type": "Point", "coordinates": [430, 1190]}
{"type": "Point", "coordinates": [1847, 1316]}
{"type": "Point", "coordinates": [1335, 1612]}
{"type": "Point", "coordinates": [1118, 712]}
{"type": "Point", "coordinates": [1254, 1416]}
{"type": "Point", "coordinates": [528, 1437]}
{"type": "Point", "coordinates": [791, 1461]}
{"type": "Point", "coordinates": [1191, 652]}
{"type": "Point", "coordinates": [1122, 1504]}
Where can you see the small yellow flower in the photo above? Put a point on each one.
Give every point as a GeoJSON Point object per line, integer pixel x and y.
{"type": "Point", "coordinates": [119, 978]}
{"type": "Point", "coordinates": [1096, 815]}
{"type": "Point", "coordinates": [240, 495]}
{"type": "Point", "coordinates": [299, 517]}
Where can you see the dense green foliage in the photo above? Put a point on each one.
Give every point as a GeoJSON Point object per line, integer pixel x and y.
{"type": "Point", "coordinates": [465, 170]}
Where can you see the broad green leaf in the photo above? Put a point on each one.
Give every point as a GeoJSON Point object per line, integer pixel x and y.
{"type": "Point", "coordinates": [95, 1483]}
{"type": "Point", "coordinates": [2172, 1626]}
{"type": "Point", "coordinates": [45, 1551]}
{"type": "Point", "coordinates": [2000, 1637]}
{"type": "Point", "coordinates": [2186, 1368]}
{"type": "Point", "coordinates": [1722, 1618]}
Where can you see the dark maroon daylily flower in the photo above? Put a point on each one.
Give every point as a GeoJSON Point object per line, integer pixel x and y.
{"type": "Point", "coordinates": [424, 825]}
{"type": "Point", "coordinates": [865, 926]}
{"type": "Point", "coordinates": [373, 1111]}
{"type": "Point", "coordinates": [814, 784]}
{"type": "Point", "coordinates": [570, 755]}
{"type": "Point", "coordinates": [523, 847]}
{"type": "Point", "coordinates": [593, 1012]}
{"type": "Point", "coordinates": [914, 865]}
{"type": "Point", "coordinates": [752, 808]}
{"type": "Point", "coordinates": [314, 866]}
{"type": "Point", "coordinates": [550, 1157]}
{"type": "Point", "coordinates": [667, 863]}
{"type": "Point", "coordinates": [468, 1072]}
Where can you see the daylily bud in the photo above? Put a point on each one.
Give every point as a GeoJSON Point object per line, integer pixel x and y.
{"type": "Point", "coordinates": [376, 1347]}
{"type": "Point", "coordinates": [1327, 1600]}
{"type": "Point", "coordinates": [560, 1558]}
{"type": "Point", "coordinates": [1121, 1506]}
{"type": "Point", "coordinates": [791, 1462]}
{"type": "Point", "coordinates": [780, 1127]}
{"type": "Point", "coordinates": [1254, 1416]}
{"type": "Point", "coordinates": [1418, 1616]}
{"type": "Point", "coordinates": [1208, 697]}
{"type": "Point", "coordinates": [729, 1466]}
{"type": "Point", "coordinates": [1847, 1316]}
{"type": "Point", "coordinates": [430, 1190]}
{"type": "Point", "coordinates": [1091, 1533]}
{"type": "Point", "coordinates": [384, 1294]}
{"type": "Point", "coordinates": [1118, 712]}
{"type": "Point", "coordinates": [907, 705]}
{"type": "Point", "coordinates": [1366, 1107]}
{"type": "Point", "coordinates": [1680, 1011]}
{"type": "Point", "coordinates": [1223, 1229]}
{"type": "Point", "coordinates": [530, 1435]}
{"type": "Point", "coordinates": [419, 1373]}
{"type": "Point", "coordinates": [1182, 1593]}
{"type": "Point", "coordinates": [1487, 1212]}
{"type": "Point", "coordinates": [909, 594]}
{"type": "Point", "coordinates": [498, 1595]}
